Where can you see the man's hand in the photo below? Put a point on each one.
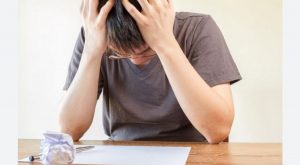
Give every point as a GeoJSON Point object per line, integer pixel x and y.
{"type": "Point", "coordinates": [78, 105]}
{"type": "Point", "coordinates": [94, 25]}
{"type": "Point", "coordinates": [155, 21]}
{"type": "Point", "coordinates": [209, 110]}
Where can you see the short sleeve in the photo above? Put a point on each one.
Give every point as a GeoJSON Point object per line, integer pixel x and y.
{"type": "Point", "coordinates": [210, 55]}
{"type": "Point", "coordinates": [75, 61]}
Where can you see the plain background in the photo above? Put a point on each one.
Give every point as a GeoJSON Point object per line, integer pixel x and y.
{"type": "Point", "coordinates": [9, 104]}
{"type": "Point", "coordinates": [253, 30]}
{"type": "Point", "coordinates": [291, 81]}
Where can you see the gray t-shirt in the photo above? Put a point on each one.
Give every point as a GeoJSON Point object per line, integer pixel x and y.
{"type": "Point", "coordinates": [139, 103]}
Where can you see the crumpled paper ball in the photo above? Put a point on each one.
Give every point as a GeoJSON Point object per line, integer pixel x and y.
{"type": "Point", "coordinates": [57, 148]}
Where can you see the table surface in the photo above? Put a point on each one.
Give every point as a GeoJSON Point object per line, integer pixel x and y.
{"type": "Point", "coordinates": [201, 153]}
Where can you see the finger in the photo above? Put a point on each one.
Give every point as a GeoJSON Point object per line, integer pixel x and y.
{"type": "Point", "coordinates": [81, 6]}
{"type": "Point", "coordinates": [164, 2]}
{"type": "Point", "coordinates": [105, 10]}
{"type": "Point", "coordinates": [171, 4]}
{"type": "Point", "coordinates": [156, 2]}
{"type": "Point", "coordinates": [93, 5]}
{"type": "Point", "coordinates": [144, 4]}
{"type": "Point", "coordinates": [159, 4]}
{"type": "Point", "coordinates": [85, 8]}
{"type": "Point", "coordinates": [132, 11]}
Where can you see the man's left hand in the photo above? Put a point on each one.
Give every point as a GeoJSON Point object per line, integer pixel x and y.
{"type": "Point", "coordinates": [155, 21]}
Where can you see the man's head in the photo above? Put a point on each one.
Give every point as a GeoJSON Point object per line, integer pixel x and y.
{"type": "Point", "coordinates": [122, 31]}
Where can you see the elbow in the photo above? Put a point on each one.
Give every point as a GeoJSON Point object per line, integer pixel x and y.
{"type": "Point", "coordinates": [215, 140]}
{"type": "Point", "coordinates": [74, 133]}
{"type": "Point", "coordinates": [218, 132]}
{"type": "Point", "coordinates": [75, 130]}
{"type": "Point", "coordinates": [215, 137]}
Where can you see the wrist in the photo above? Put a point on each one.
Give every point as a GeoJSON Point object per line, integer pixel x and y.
{"type": "Point", "coordinates": [92, 55]}
{"type": "Point", "coordinates": [166, 47]}
{"type": "Point", "coordinates": [91, 59]}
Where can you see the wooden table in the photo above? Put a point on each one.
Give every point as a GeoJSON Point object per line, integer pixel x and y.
{"type": "Point", "coordinates": [224, 153]}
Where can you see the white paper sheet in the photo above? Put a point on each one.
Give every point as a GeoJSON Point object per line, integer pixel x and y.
{"type": "Point", "coordinates": [133, 155]}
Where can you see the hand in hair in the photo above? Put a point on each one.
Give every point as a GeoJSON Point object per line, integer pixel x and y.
{"type": "Point", "coordinates": [94, 24]}
{"type": "Point", "coordinates": [155, 21]}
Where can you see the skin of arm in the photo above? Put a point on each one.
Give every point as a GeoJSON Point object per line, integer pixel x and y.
{"type": "Point", "coordinates": [209, 109]}
{"type": "Point", "coordinates": [77, 107]}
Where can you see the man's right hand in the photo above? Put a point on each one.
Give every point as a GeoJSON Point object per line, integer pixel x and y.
{"type": "Point", "coordinates": [94, 25]}
{"type": "Point", "coordinates": [77, 107]}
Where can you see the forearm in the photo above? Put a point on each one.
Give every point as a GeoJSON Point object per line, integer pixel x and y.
{"type": "Point", "coordinates": [208, 112]}
{"type": "Point", "coordinates": [78, 105]}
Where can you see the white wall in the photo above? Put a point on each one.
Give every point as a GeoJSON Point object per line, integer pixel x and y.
{"type": "Point", "coordinates": [8, 81]}
{"type": "Point", "coordinates": [291, 88]}
{"type": "Point", "coordinates": [252, 28]}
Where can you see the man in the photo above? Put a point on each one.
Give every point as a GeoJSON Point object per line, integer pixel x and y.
{"type": "Point", "coordinates": [164, 75]}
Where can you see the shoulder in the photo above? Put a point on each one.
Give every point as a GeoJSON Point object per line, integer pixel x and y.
{"type": "Point", "coordinates": [187, 22]}
{"type": "Point", "coordinates": [188, 26]}
{"type": "Point", "coordinates": [190, 17]}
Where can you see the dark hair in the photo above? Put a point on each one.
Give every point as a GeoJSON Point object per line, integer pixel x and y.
{"type": "Point", "coordinates": [122, 30]}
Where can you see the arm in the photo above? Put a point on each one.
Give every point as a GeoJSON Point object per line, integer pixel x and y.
{"type": "Point", "coordinates": [210, 110]}
{"type": "Point", "coordinates": [78, 105]}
